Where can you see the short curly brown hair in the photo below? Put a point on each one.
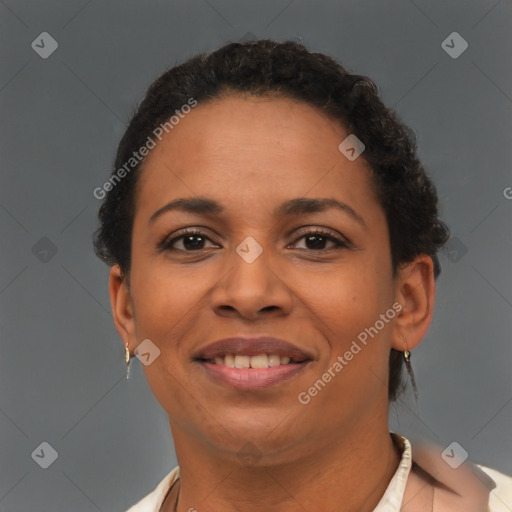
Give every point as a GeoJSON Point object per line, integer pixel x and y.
{"type": "Point", "coordinates": [289, 69]}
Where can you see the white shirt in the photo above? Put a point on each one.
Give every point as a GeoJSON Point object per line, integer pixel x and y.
{"type": "Point", "coordinates": [499, 500]}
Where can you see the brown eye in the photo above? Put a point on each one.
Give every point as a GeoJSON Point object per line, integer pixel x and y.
{"type": "Point", "coordinates": [191, 240]}
{"type": "Point", "coordinates": [316, 240]}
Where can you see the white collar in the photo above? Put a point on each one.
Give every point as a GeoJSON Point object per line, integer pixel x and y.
{"type": "Point", "coordinates": [392, 498]}
{"type": "Point", "coordinates": [390, 501]}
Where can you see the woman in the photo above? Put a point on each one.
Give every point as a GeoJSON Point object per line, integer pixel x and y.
{"type": "Point", "coordinates": [272, 239]}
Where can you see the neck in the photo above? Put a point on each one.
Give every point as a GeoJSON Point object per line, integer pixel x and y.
{"type": "Point", "coordinates": [353, 471]}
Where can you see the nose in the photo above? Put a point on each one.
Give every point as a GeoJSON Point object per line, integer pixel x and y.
{"type": "Point", "coordinates": [251, 288]}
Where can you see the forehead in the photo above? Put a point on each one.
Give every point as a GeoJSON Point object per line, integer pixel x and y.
{"type": "Point", "coordinates": [253, 151]}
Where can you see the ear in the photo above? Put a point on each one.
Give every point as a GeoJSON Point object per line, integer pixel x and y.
{"type": "Point", "coordinates": [415, 291]}
{"type": "Point", "coordinates": [122, 307]}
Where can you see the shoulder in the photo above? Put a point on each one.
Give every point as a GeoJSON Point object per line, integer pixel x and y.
{"type": "Point", "coordinates": [153, 501]}
{"type": "Point", "coordinates": [462, 485]}
{"type": "Point", "coordinates": [500, 498]}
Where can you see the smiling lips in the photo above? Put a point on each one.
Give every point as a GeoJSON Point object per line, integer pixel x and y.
{"type": "Point", "coordinates": [252, 362]}
{"type": "Point", "coordinates": [258, 361]}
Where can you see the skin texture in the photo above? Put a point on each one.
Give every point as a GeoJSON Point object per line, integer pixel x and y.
{"type": "Point", "coordinates": [250, 154]}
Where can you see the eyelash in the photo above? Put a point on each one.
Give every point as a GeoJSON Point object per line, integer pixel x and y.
{"type": "Point", "coordinates": [166, 244]}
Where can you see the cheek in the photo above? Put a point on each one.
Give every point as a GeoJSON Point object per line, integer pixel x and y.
{"type": "Point", "coordinates": [351, 373]}
{"type": "Point", "coordinates": [352, 298]}
{"type": "Point", "coordinates": [162, 299]}
{"type": "Point", "coordinates": [164, 310]}
{"type": "Point", "coordinates": [350, 306]}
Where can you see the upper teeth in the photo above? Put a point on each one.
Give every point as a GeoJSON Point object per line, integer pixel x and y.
{"type": "Point", "coordinates": [259, 361]}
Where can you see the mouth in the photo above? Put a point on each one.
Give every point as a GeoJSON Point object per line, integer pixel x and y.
{"type": "Point", "coordinates": [252, 363]}
{"type": "Point", "coordinates": [258, 361]}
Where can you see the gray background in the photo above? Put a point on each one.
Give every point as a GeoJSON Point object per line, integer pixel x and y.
{"type": "Point", "coordinates": [61, 366]}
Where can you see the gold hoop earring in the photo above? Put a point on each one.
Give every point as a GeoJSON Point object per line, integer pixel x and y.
{"type": "Point", "coordinates": [410, 371]}
{"type": "Point", "coordinates": [127, 358]}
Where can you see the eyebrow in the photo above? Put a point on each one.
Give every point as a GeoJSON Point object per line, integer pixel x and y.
{"type": "Point", "coordinates": [297, 206]}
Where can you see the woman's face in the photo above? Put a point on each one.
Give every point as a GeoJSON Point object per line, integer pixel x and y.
{"type": "Point", "coordinates": [250, 156]}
